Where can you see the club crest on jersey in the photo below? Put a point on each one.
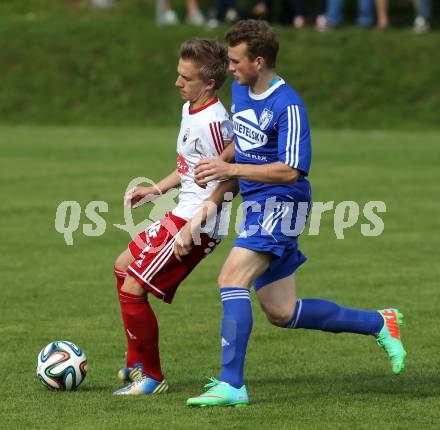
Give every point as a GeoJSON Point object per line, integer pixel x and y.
{"type": "Point", "coordinates": [182, 166]}
{"type": "Point", "coordinates": [265, 119]}
{"type": "Point", "coordinates": [186, 135]}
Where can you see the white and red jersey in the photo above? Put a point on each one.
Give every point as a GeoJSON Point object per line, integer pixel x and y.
{"type": "Point", "coordinates": [203, 133]}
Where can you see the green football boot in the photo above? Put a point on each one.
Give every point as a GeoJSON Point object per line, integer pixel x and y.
{"type": "Point", "coordinates": [220, 394]}
{"type": "Point", "coordinates": [389, 339]}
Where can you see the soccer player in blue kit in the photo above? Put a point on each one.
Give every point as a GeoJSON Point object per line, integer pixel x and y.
{"type": "Point", "coordinates": [272, 162]}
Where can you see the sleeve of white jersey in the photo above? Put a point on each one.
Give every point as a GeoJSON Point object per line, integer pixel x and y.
{"type": "Point", "coordinates": [215, 137]}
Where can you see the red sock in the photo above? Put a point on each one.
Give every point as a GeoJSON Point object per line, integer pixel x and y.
{"type": "Point", "coordinates": [142, 334]}
{"type": "Point", "coordinates": [132, 357]}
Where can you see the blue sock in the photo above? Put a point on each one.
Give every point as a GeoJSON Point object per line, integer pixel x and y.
{"type": "Point", "coordinates": [319, 314]}
{"type": "Point", "coordinates": [236, 329]}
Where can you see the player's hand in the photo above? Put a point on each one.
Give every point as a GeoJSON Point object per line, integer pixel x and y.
{"type": "Point", "coordinates": [184, 242]}
{"type": "Point", "coordinates": [137, 196]}
{"type": "Point", "coordinates": [201, 184]}
{"type": "Point", "coordinates": [210, 169]}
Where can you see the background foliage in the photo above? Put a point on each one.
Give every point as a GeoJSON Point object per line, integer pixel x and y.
{"type": "Point", "coordinates": [62, 63]}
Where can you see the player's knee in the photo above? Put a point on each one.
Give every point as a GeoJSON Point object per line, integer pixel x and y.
{"type": "Point", "coordinates": [131, 286]}
{"type": "Point", "coordinates": [222, 280]}
{"type": "Point", "coordinates": [119, 264]}
{"type": "Point", "coordinates": [122, 262]}
{"type": "Point", "coordinates": [232, 275]}
{"type": "Point", "coordinates": [279, 316]}
{"type": "Point", "coordinates": [227, 279]}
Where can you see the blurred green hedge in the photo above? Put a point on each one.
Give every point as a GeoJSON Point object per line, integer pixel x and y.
{"type": "Point", "coordinates": [115, 68]}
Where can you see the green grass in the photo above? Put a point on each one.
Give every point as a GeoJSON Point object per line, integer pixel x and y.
{"type": "Point", "coordinates": [296, 379]}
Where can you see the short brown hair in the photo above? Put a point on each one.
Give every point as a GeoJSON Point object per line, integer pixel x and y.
{"type": "Point", "coordinates": [210, 56]}
{"type": "Point", "coordinates": [259, 37]}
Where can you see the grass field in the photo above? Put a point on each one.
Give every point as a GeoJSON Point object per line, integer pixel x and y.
{"type": "Point", "coordinates": [296, 379]}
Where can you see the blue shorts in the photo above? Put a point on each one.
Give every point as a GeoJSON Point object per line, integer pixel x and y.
{"type": "Point", "coordinates": [274, 226]}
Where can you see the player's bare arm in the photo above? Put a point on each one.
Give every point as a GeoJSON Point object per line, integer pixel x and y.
{"type": "Point", "coordinates": [134, 196]}
{"type": "Point", "coordinates": [169, 182]}
{"type": "Point", "coordinates": [210, 169]}
{"type": "Point", "coordinates": [184, 244]}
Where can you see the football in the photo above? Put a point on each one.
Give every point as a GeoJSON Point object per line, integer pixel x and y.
{"type": "Point", "coordinates": [61, 365]}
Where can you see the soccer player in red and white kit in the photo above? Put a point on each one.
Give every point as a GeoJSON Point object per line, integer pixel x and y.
{"type": "Point", "coordinates": [149, 265]}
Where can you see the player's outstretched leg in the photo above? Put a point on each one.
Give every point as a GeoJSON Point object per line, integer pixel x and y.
{"type": "Point", "coordinates": [277, 300]}
{"type": "Point", "coordinates": [389, 338]}
{"type": "Point", "coordinates": [319, 314]}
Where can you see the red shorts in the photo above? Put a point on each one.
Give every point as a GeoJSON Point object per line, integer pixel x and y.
{"type": "Point", "coordinates": [155, 267]}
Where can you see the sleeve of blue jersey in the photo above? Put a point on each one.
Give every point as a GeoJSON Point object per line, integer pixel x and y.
{"type": "Point", "coordinates": [294, 145]}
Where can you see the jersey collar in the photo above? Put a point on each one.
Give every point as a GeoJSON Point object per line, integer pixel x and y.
{"type": "Point", "coordinates": [193, 111]}
{"type": "Point", "coordinates": [267, 93]}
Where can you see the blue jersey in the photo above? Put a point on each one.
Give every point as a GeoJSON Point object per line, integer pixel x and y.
{"type": "Point", "coordinates": [272, 127]}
